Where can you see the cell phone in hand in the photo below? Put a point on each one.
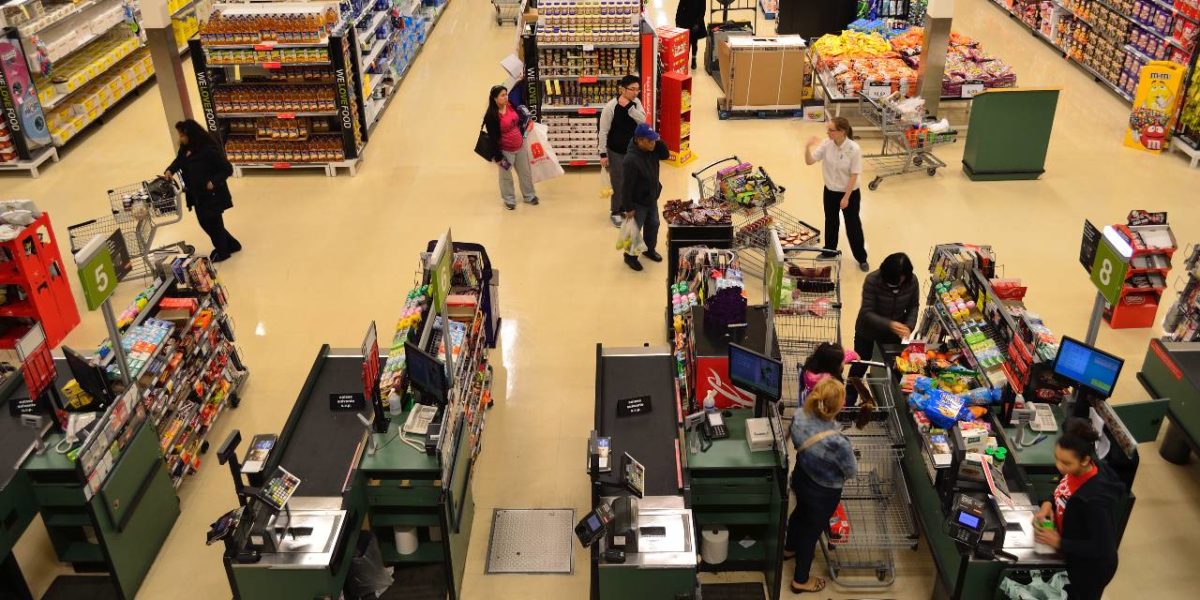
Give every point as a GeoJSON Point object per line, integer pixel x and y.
{"type": "Point", "coordinates": [504, 164]}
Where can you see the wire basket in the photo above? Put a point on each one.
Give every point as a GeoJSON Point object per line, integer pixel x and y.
{"type": "Point", "coordinates": [751, 235]}
{"type": "Point", "coordinates": [157, 200]}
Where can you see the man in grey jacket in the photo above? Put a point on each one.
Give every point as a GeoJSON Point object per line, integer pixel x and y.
{"type": "Point", "coordinates": [890, 302]}
{"type": "Point", "coordinates": [618, 120]}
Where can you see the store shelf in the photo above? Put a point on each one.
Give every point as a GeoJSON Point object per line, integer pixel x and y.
{"type": "Point", "coordinates": [1120, 92]}
{"type": "Point", "coordinates": [263, 46]}
{"type": "Point", "coordinates": [59, 98]}
{"type": "Point", "coordinates": [85, 40]}
{"type": "Point", "coordinates": [580, 110]}
{"type": "Point", "coordinates": [186, 8]}
{"type": "Point", "coordinates": [1178, 15]}
{"type": "Point", "coordinates": [277, 115]}
{"type": "Point", "coordinates": [78, 9]}
{"type": "Point", "coordinates": [271, 66]}
{"type": "Point", "coordinates": [380, 17]}
{"type": "Point", "coordinates": [585, 45]}
{"type": "Point", "coordinates": [376, 50]}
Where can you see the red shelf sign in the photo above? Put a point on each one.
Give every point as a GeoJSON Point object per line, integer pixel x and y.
{"type": "Point", "coordinates": [588, 79]}
{"type": "Point", "coordinates": [281, 165]}
{"type": "Point", "coordinates": [272, 65]}
{"type": "Point", "coordinates": [286, 115]}
{"type": "Point", "coordinates": [588, 111]}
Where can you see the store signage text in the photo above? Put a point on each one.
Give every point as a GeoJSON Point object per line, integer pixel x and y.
{"type": "Point", "coordinates": [10, 111]}
{"type": "Point", "coordinates": [344, 95]}
{"type": "Point", "coordinates": [210, 116]}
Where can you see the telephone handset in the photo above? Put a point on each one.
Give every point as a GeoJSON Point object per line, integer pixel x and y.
{"type": "Point", "coordinates": [714, 426]}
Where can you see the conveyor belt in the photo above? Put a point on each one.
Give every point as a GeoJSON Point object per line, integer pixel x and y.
{"type": "Point", "coordinates": [15, 439]}
{"type": "Point", "coordinates": [649, 438]}
{"type": "Point", "coordinates": [323, 445]}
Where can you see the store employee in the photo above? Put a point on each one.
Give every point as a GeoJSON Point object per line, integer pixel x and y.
{"type": "Point", "coordinates": [841, 167]}
{"type": "Point", "coordinates": [1084, 531]}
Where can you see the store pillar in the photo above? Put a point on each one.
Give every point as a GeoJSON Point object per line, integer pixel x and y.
{"type": "Point", "coordinates": [168, 67]}
{"type": "Point", "coordinates": [933, 53]}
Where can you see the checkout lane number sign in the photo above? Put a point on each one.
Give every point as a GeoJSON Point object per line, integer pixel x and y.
{"type": "Point", "coordinates": [102, 263]}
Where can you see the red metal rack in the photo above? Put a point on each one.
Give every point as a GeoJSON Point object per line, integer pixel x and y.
{"type": "Point", "coordinates": [1138, 305]}
{"type": "Point", "coordinates": [31, 271]}
{"type": "Point", "coordinates": [675, 119]}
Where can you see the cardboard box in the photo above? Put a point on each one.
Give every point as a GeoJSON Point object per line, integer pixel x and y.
{"type": "Point", "coordinates": [763, 72]}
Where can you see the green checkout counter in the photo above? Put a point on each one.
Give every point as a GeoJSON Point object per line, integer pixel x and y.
{"type": "Point", "coordinates": [688, 484]}
{"type": "Point", "coordinates": [118, 528]}
{"type": "Point", "coordinates": [17, 506]}
{"type": "Point", "coordinates": [1172, 370]}
{"type": "Point", "coordinates": [343, 489]}
{"type": "Point", "coordinates": [1030, 476]}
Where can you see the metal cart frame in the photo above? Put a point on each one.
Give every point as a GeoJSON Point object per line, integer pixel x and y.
{"type": "Point", "coordinates": [137, 211]}
{"type": "Point", "coordinates": [899, 154]}
{"type": "Point", "coordinates": [507, 10]}
{"type": "Point", "coordinates": [876, 500]}
{"type": "Point", "coordinates": [752, 222]}
{"type": "Point", "coordinates": [812, 317]}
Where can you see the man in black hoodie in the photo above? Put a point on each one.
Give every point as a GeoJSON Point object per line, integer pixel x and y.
{"type": "Point", "coordinates": [1083, 528]}
{"type": "Point", "coordinates": [640, 189]}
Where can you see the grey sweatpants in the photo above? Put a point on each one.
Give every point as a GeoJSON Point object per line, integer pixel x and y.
{"type": "Point", "coordinates": [616, 173]}
{"type": "Point", "coordinates": [520, 163]}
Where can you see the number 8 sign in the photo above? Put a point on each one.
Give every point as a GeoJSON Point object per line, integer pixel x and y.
{"type": "Point", "coordinates": [1108, 272]}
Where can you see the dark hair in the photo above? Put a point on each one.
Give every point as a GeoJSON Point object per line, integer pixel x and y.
{"type": "Point", "coordinates": [843, 124]}
{"type": "Point", "coordinates": [492, 109]}
{"type": "Point", "coordinates": [629, 80]}
{"type": "Point", "coordinates": [828, 358]}
{"type": "Point", "coordinates": [896, 269]}
{"type": "Point", "coordinates": [198, 137]}
{"type": "Point", "coordinates": [1080, 437]}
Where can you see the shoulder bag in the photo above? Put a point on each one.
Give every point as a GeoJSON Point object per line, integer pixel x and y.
{"type": "Point", "coordinates": [484, 146]}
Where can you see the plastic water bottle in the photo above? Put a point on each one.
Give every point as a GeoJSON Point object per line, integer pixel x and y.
{"type": "Point", "coordinates": [710, 402]}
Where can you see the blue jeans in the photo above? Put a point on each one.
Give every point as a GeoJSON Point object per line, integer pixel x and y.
{"type": "Point", "coordinates": [815, 503]}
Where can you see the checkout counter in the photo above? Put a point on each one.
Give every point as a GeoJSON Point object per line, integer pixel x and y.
{"type": "Point", "coordinates": [17, 506]}
{"type": "Point", "coordinates": [1172, 370]}
{"type": "Point", "coordinates": [648, 549]}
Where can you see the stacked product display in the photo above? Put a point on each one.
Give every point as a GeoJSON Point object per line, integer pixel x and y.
{"type": "Point", "coordinates": [1152, 246]}
{"type": "Point", "coordinates": [185, 19]}
{"type": "Point", "coordinates": [1188, 129]}
{"type": "Point", "coordinates": [179, 344]}
{"type": "Point", "coordinates": [288, 85]}
{"type": "Point", "coordinates": [853, 61]}
{"type": "Point", "coordinates": [575, 56]}
{"type": "Point", "coordinates": [1114, 39]}
{"type": "Point", "coordinates": [994, 335]}
{"type": "Point", "coordinates": [33, 285]}
{"type": "Point", "coordinates": [1182, 323]}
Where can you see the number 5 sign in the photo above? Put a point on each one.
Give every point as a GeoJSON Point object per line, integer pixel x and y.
{"type": "Point", "coordinates": [98, 267]}
{"type": "Point", "coordinates": [1108, 272]}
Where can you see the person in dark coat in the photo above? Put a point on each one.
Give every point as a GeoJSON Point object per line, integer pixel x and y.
{"type": "Point", "coordinates": [640, 189]}
{"type": "Point", "coordinates": [202, 165]}
{"type": "Point", "coordinates": [689, 15]}
{"type": "Point", "coordinates": [891, 297]}
{"type": "Point", "coordinates": [1084, 531]}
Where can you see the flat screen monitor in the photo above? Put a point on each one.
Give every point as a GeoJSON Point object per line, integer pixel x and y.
{"type": "Point", "coordinates": [1087, 366]}
{"type": "Point", "coordinates": [90, 377]}
{"type": "Point", "coordinates": [755, 373]}
{"type": "Point", "coordinates": [426, 373]}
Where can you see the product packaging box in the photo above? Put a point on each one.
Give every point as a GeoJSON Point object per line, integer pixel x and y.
{"type": "Point", "coordinates": [762, 72]}
{"type": "Point", "coordinates": [814, 113]}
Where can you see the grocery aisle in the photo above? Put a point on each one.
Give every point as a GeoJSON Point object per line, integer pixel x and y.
{"type": "Point", "coordinates": [326, 255]}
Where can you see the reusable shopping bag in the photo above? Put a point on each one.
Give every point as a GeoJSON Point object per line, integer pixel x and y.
{"type": "Point", "coordinates": [606, 190]}
{"type": "Point", "coordinates": [629, 238]}
{"type": "Point", "coordinates": [543, 163]}
{"type": "Point", "coordinates": [1037, 589]}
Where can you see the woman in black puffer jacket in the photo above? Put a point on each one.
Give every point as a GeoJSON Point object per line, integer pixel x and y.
{"type": "Point", "coordinates": [690, 16]}
{"type": "Point", "coordinates": [890, 302]}
{"type": "Point", "coordinates": [202, 165]}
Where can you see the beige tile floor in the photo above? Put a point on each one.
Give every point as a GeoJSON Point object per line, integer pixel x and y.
{"type": "Point", "coordinates": [325, 256]}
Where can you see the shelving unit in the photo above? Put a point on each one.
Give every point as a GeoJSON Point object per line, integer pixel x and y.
{"type": "Point", "coordinates": [35, 287]}
{"type": "Point", "coordinates": [1146, 279]}
{"type": "Point", "coordinates": [1182, 323]}
{"type": "Point", "coordinates": [572, 70]}
{"type": "Point", "coordinates": [195, 374]}
{"type": "Point", "coordinates": [675, 123]}
{"type": "Point", "coordinates": [1112, 39]}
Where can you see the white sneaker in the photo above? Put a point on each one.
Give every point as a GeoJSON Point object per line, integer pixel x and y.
{"type": "Point", "coordinates": [617, 220]}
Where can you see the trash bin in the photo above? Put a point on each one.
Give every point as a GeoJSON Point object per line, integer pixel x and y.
{"type": "Point", "coordinates": [368, 577]}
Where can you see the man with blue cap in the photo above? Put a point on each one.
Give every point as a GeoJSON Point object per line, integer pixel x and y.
{"type": "Point", "coordinates": [640, 189]}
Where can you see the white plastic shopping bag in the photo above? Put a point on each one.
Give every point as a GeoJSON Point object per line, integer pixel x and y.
{"type": "Point", "coordinates": [629, 238]}
{"type": "Point", "coordinates": [543, 163]}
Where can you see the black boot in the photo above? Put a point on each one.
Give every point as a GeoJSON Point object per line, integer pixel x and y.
{"type": "Point", "coordinates": [633, 263]}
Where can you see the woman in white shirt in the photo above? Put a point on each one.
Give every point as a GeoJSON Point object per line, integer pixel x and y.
{"type": "Point", "coordinates": [841, 166]}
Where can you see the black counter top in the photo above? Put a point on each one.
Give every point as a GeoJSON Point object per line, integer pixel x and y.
{"type": "Point", "coordinates": [16, 439]}
{"type": "Point", "coordinates": [649, 438]}
{"type": "Point", "coordinates": [321, 446]}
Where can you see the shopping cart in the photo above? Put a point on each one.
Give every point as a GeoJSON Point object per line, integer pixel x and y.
{"type": "Point", "coordinates": [753, 200]}
{"type": "Point", "coordinates": [507, 10]}
{"type": "Point", "coordinates": [137, 211]}
{"type": "Point", "coordinates": [905, 148]}
{"type": "Point", "coordinates": [811, 317]}
{"type": "Point", "coordinates": [876, 501]}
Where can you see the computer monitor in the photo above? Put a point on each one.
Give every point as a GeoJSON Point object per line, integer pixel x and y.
{"type": "Point", "coordinates": [757, 374]}
{"type": "Point", "coordinates": [426, 374]}
{"type": "Point", "coordinates": [1087, 367]}
{"type": "Point", "coordinates": [90, 377]}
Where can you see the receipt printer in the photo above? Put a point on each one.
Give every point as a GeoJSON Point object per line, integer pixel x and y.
{"type": "Point", "coordinates": [759, 436]}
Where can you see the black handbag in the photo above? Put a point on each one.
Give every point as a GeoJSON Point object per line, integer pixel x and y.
{"type": "Point", "coordinates": [484, 146]}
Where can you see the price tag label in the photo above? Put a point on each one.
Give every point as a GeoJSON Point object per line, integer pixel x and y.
{"type": "Point", "coordinates": [970, 90]}
{"type": "Point", "coordinates": [876, 91]}
{"type": "Point", "coordinates": [272, 65]}
{"type": "Point", "coordinates": [281, 165]}
{"type": "Point", "coordinates": [589, 47]}
{"type": "Point", "coordinates": [286, 115]}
